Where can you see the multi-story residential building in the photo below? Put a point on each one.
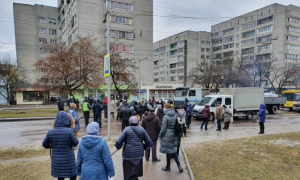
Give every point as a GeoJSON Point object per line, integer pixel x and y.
{"type": "Point", "coordinates": [131, 30]}
{"type": "Point", "coordinates": [176, 55]}
{"type": "Point", "coordinates": [35, 25]}
{"type": "Point", "coordinates": [270, 32]}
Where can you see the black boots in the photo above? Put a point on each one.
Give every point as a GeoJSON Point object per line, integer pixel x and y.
{"type": "Point", "coordinates": [180, 168]}
{"type": "Point", "coordinates": [166, 168]}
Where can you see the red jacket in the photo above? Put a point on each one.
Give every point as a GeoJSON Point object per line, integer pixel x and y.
{"type": "Point", "coordinates": [105, 100]}
{"type": "Point", "coordinates": [206, 112]}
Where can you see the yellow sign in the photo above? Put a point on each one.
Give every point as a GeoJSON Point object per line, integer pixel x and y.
{"type": "Point", "coordinates": [107, 65]}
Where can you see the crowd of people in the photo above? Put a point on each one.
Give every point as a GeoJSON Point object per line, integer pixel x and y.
{"type": "Point", "coordinates": [143, 125]}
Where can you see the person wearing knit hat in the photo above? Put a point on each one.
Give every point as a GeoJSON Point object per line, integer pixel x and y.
{"type": "Point", "coordinates": [132, 138]}
{"type": "Point", "coordinates": [92, 166]}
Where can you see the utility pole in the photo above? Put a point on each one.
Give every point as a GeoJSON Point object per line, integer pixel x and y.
{"type": "Point", "coordinates": [108, 79]}
{"type": "Point", "coordinates": [140, 78]}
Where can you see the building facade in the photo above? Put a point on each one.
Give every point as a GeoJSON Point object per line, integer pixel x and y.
{"type": "Point", "coordinates": [131, 31]}
{"type": "Point", "coordinates": [176, 55]}
{"type": "Point", "coordinates": [272, 32]}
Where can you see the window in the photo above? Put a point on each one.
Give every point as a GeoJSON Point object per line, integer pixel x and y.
{"type": "Point", "coordinates": [218, 48]}
{"type": "Point", "coordinates": [228, 54]}
{"type": "Point", "coordinates": [207, 42]}
{"type": "Point", "coordinates": [172, 46]}
{"type": "Point", "coordinates": [248, 50]}
{"type": "Point", "coordinates": [42, 30]}
{"type": "Point", "coordinates": [41, 20]}
{"type": "Point", "coordinates": [118, 5]}
{"type": "Point", "coordinates": [163, 61]}
{"type": "Point", "coordinates": [42, 50]}
{"type": "Point", "coordinates": [248, 34]}
{"type": "Point", "coordinates": [155, 68]}
{"type": "Point", "coordinates": [52, 21]}
{"type": "Point", "coordinates": [248, 58]}
{"type": "Point", "coordinates": [294, 20]}
{"type": "Point", "coordinates": [202, 57]}
{"type": "Point", "coordinates": [264, 47]}
{"type": "Point", "coordinates": [52, 41]}
{"type": "Point", "coordinates": [123, 7]}
{"type": "Point", "coordinates": [42, 40]}
{"type": "Point", "coordinates": [228, 31]}
{"type": "Point", "coordinates": [192, 93]}
{"type": "Point", "coordinates": [292, 47]}
{"type": "Point", "coordinates": [248, 42]}
{"type": "Point", "coordinates": [180, 58]}
{"type": "Point", "coordinates": [237, 28]}
{"type": "Point", "coordinates": [173, 72]}
{"type": "Point", "coordinates": [172, 78]}
{"type": "Point", "coordinates": [180, 43]}
{"type": "Point", "coordinates": [180, 78]}
{"type": "Point", "coordinates": [180, 64]}
{"type": "Point", "coordinates": [265, 20]}
{"type": "Point", "coordinates": [130, 7]}
{"type": "Point", "coordinates": [237, 52]}
{"type": "Point", "coordinates": [263, 57]}
{"type": "Point", "coordinates": [121, 20]}
{"type": "Point", "coordinates": [181, 50]}
{"type": "Point", "coordinates": [293, 38]}
{"type": "Point", "coordinates": [202, 49]}
{"type": "Point", "coordinates": [293, 29]}
{"type": "Point", "coordinates": [207, 50]}
{"type": "Point", "coordinates": [33, 96]}
{"type": "Point", "coordinates": [238, 36]}
{"type": "Point", "coordinates": [217, 35]}
{"type": "Point", "coordinates": [264, 29]}
{"type": "Point", "coordinates": [249, 25]}
{"type": "Point", "coordinates": [202, 42]}
{"type": "Point", "coordinates": [207, 57]}
{"type": "Point", "coordinates": [216, 41]}
{"type": "Point", "coordinates": [172, 53]}
{"type": "Point", "coordinates": [156, 74]}
{"type": "Point", "coordinates": [292, 56]}
{"type": "Point", "coordinates": [173, 65]}
{"type": "Point", "coordinates": [264, 39]}
{"type": "Point", "coordinates": [228, 39]}
{"type": "Point", "coordinates": [131, 49]}
{"type": "Point", "coordinates": [52, 31]}
{"type": "Point", "coordinates": [162, 73]}
{"type": "Point", "coordinates": [156, 80]}
{"type": "Point", "coordinates": [228, 46]}
{"type": "Point", "coordinates": [124, 48]}
{"type": "Point", "coordinates": [228, 101]}
{"type": "Point", "coordinates": [237, 45]}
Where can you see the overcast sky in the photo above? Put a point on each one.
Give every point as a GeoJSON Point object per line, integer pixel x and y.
{"type": "Point", "coordinates": [205, 12]}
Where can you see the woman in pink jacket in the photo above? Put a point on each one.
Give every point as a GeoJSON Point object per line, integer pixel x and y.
{"type": "Point", "coordinates": [205, 116]}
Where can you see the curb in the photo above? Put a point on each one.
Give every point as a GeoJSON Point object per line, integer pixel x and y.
{"type": "Point", "coordinates": [187, 163]}
{"type": "Point", "coordinates": [26, 119]}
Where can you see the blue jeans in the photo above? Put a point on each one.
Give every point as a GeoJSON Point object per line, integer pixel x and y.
{"type": "Point", "coordinates": [205, 122]}
{"type": "Point", "coordinates": [219, 124]}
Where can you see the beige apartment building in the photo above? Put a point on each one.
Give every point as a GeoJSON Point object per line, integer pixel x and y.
{"type": "Point", "coordinates": [176, 55]}
{"type": "Point", "coordinates": [131, 25]}
{"type": "Point", "coordinates": [270, 32]}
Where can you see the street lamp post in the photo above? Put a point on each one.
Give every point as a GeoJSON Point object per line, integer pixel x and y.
{"type": "Point", "coordinates": [140, 77]}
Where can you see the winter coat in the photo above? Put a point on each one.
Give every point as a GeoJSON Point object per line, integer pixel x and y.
{"type": "Point", "coordinates": [189, 110]}
{"type": "Point", "coordinates": [61, 139]}
{"type": "Point", "coordinates": [60, 105]}
{"type": "Point", "coordinates": [206, 113]}
{"type": "Point", "coordinates": [97, 108]}
{"type": "Point", "coordinates": [227, 115]}
{"type": "Point", "coordinates": [76, 119]}
{"type": "Point", "coordinates": [219, 113]}
{"type": "Point", "coordinates": [262, 113]}
{"type": "Point", "coordinates": [93, 159]}
{"type": "Point", "coordinates": [112, 106]}
{"type": "Point", "coordinates": [152, 126]}
{"type": "Point", "coordinates": [133, 146]}
{"type": "Point", "coordinates": [125, 114]}
{"type": "Point", "coordinates": [169, 141]}
{"type": "Point", "coordinates": [160, 114]}
{"type": "Point", "coordinates": [182, 116]}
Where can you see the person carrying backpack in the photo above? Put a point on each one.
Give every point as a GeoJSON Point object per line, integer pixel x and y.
{"type": "Point", "coordinates": [138, 108]}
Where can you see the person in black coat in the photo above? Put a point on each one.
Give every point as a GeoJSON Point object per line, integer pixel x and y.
{"type": "Point", "coordinates": [97, 108]}
{"type": "Point", "coordinates": [61, 139]}
{"type": "Point", "coordinates": [60, 104]}
{"type": "Point", "coordinates": [105, 111]}
{"type": "Point", "coordinates": [125, 114]}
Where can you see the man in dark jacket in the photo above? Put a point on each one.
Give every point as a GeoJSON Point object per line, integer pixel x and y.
{"type": "Point", "coordinates": [189, 112]}
{"type": "Point", "coordinates": [60, 104]}
{"type": "Point", "coordinates": [97, 108]}
{"type": "Point", "coordinates": [160, 113]}
{"type": "Point", "coordinates": [152, 126]}
{"type": "Point", "coordinates": [125, 114]}
{"type": "Point", "coordinates": [138, 108]}
{"type": "Point", "coordinates": [205, 116]}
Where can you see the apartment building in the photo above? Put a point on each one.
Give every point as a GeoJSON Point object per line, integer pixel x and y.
{"type": "Point", "coordinates": [131, 24]}
{"type": "Point", "coordinates": [270, 32]}
{"type": "Point", "coordinates": [35, 25]}
{"type": "Point", "coordinates": [176, 55]}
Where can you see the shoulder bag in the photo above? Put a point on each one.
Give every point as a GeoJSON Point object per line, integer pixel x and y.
{"type": "Point", "coordinates": [144, 145]}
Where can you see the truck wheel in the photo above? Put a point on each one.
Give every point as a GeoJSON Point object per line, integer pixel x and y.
{"type": "Point", "coordinates": [290, 109]}
{"type": "Point", "coordinates": [212, 117]}
{"type": "Point", "coordinates": [249, 116]}
{"type": "Point", "coordinates": [273, 109]}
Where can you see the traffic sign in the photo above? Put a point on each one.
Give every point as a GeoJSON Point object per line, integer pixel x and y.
{"type": "Point", "coordinates": [107, 65]}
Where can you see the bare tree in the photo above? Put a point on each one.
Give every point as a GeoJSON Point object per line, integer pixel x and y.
{"type": "Point", "coordinates": [11, 75]}
{"type": "Point", "coordinates": [69, 68]}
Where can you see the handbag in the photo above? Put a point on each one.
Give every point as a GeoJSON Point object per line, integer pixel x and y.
{"type": "Point", "coordinates": [144, 145]}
